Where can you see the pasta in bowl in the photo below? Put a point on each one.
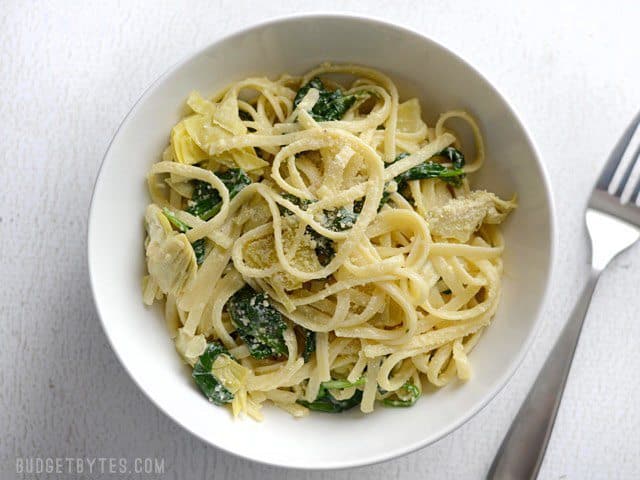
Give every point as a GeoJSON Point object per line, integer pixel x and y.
{"type": "Point", "coordinates": [376, 228]}
{"type": "Point", "coordinates": [317, 245]}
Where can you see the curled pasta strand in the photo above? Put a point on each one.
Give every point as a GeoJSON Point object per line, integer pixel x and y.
{"type": "Point", "coordinates": [375, 296]}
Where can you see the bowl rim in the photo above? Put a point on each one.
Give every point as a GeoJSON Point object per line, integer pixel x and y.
{"type": "Point", "coordinates": [550, 207]}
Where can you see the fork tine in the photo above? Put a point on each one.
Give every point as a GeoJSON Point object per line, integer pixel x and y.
{"type": "Point", "coordinates": [633, 199]}
{"type": "Point", "coordinates": [616, 155]}
{"type": "Point", "coordinates": [625, 178]}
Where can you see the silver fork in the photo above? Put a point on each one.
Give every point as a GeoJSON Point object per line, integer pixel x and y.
{"type": "Point", "coordinates": [613, 223]}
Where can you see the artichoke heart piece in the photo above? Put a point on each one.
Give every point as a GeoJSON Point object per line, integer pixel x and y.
{"type": "Point", "coordinates": [226, 115]}
{"type": "Point", "coordinates": [410, 119]}
{"type": "Point", "coordinates": [459, 218]}
{"type": "Point", "coordinates": [204, 130]}
{"type": "Point", "coordinates": [170, 258]}
{"type": "Point", "coordinates": [185, 150]}
{"type": "Point", "coordinates": [199, 104]}
{"type": "Point", "coordinates": [190, 346]}
{"type": "Point", "coordinates": [230, 373]}
{"type": "Point", "coordinates": [156, 224]}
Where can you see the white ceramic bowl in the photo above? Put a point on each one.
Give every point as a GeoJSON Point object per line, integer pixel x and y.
{"type": "Point", "coordinates": [295, 44]}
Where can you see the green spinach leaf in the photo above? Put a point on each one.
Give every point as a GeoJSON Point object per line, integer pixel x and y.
{"type": "Point", "coordinates": [204, 378]}
{"type": "Point", "coordinates": [412, 391]}
{"type": "Point", "coordinates": [331, 105]}
{"type": "Point", "coordinates": [258, 323]}
{"type": "Point", "coordinates": [325, 402]}
{"type": "Point", "coordinates": [454, 155]}
{"type": "Point", "coordinates": [245, 116]}
{"type": "Point", "coordinates": [340, 384]}
{"type": "Point", "coordinates": [173, 220]}
{"type": "Point", "coordinates": [431, 169]}
{"type": "Point", "coordinates": [303, 203]}
{"type": "Point", "coordinates": [340, 219]}
{"type": "Point", "coordinates": [309, 344]}
{"type": "Point", "coordinates": [206, 201]}
{"type": "Point", "coordinates": [200, 249]}
{"type": "Point", "coordinates": [324, 246]}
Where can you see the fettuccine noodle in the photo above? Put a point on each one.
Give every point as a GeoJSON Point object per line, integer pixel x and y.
{"type": "Point", "coordinates": [330, 270]}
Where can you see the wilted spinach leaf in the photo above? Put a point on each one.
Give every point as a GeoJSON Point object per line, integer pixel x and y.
{"type": "Point", "coordinates": [258, 323]}
{"type": "Point", "coordinates": [204, 378]}
{"type": "Point", "coordinates": [325, 402]}
{"type": "Point", "coordinates": [331, 105]}
{"type": "Point", "coordinates": [412, 391]}
{"type": "Point", "coordinates": [431, 169]}
{"type": "Point", "coordinates": [309, 344]}
{"type": "Point", "coordinates": [206, 201]}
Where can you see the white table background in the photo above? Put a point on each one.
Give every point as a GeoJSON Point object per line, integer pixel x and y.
{"type": "Point", "coordinates": [70, 71]}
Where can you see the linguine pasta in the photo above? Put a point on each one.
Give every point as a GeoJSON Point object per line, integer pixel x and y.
{"type": "Point", "coordinates": [319, 246]}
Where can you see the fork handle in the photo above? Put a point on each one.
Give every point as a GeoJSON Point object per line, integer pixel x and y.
{"type": "Point", "coordinates": [522, 450]}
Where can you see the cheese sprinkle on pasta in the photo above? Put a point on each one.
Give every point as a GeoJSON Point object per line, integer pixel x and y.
{"type": "Point", "coordinates": [318, 246]}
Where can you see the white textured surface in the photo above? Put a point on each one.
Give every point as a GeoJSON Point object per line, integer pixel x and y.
{"type": "Point", "coordinates": [70, 72]}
